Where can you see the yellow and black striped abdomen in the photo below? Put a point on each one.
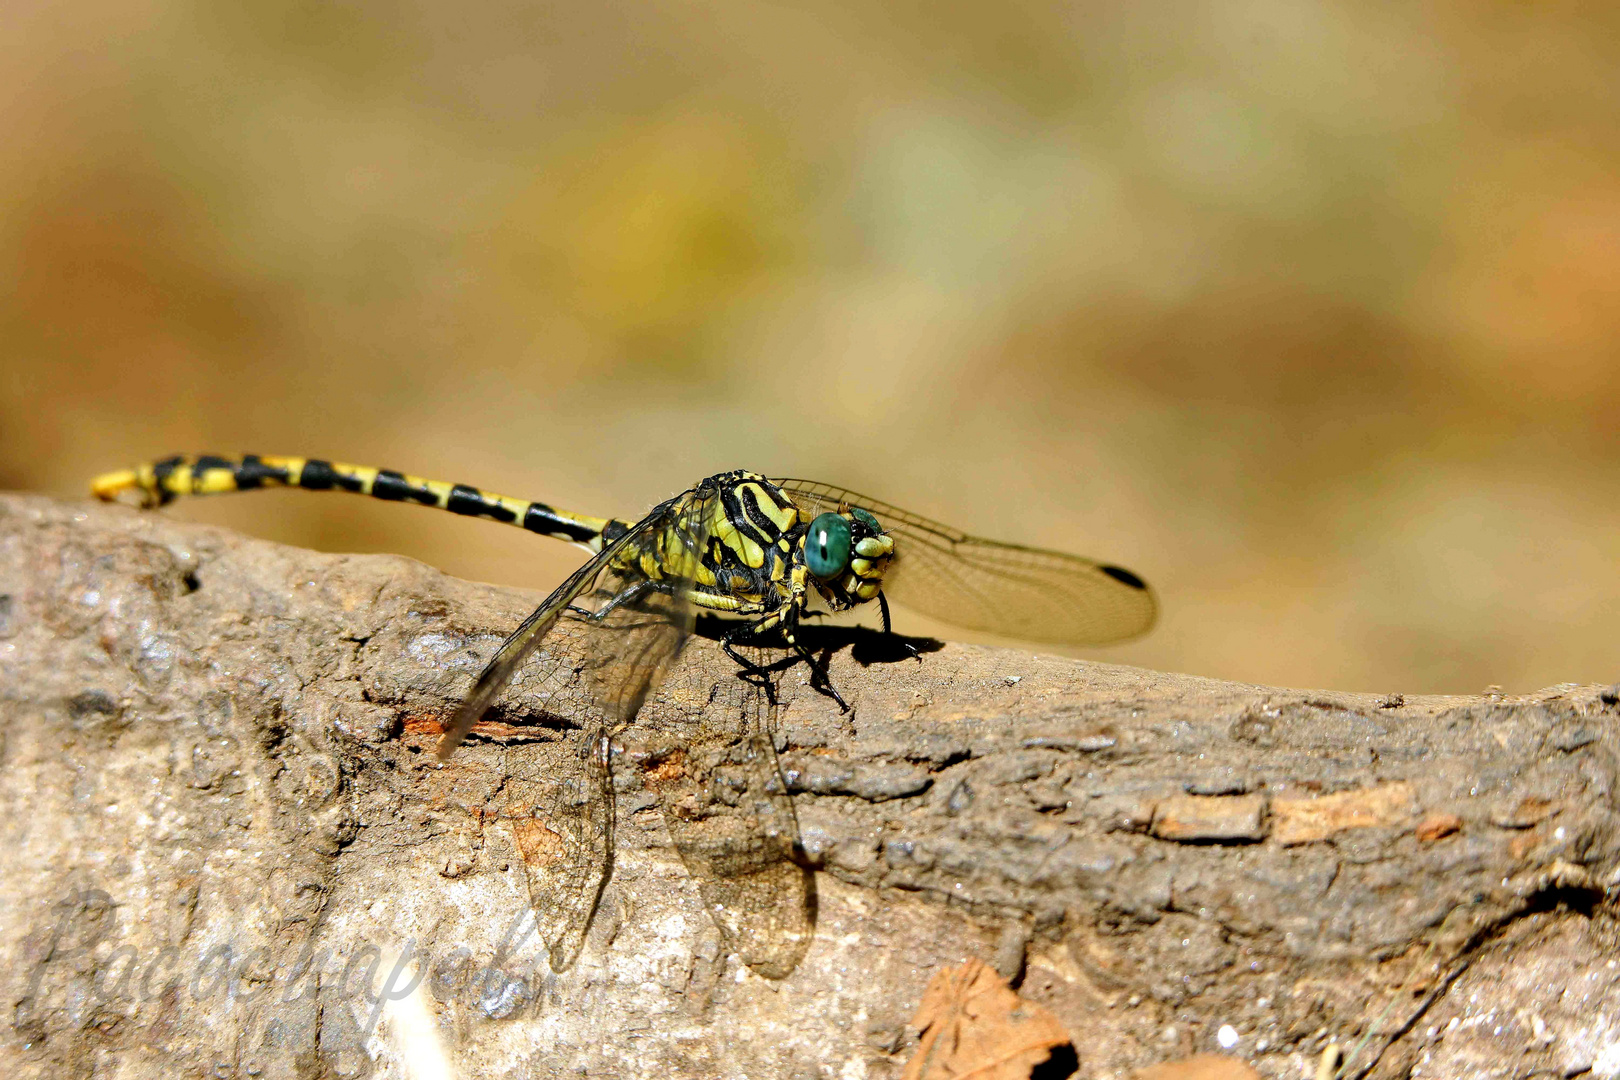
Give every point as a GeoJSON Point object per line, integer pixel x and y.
{"type": "Point", "coordinates": [162, 481]}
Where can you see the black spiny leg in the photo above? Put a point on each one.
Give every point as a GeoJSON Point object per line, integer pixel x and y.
{"type": "Point", "coordinates": [883, 606]}
{"type": "Point", "coordinates": [757, 672]}
{"type": "Point", "coordinates": [820, 678]}
{"type": "Point", "coordinates": [625, 596]}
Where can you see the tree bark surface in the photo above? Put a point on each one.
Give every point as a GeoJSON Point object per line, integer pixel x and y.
{"type": "Point", "coordinates": [228, 849]}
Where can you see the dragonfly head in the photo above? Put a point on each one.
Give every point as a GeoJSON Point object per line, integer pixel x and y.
{"type": "Point", "coordinates": [846, 554]}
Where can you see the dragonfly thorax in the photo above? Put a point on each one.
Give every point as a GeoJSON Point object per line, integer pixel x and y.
{"type": "Point", "coordinates": [768, 554]}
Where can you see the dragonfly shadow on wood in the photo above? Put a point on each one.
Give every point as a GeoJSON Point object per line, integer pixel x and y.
{"type": "Point", "coordinates": [866, 645]}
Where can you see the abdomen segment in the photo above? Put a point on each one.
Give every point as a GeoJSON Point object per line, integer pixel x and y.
{"type": "Point", "coordinates": [160, 482]}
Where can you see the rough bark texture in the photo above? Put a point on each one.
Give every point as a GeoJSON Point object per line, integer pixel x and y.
{"type": "Point", "coordinates": [223, 825]}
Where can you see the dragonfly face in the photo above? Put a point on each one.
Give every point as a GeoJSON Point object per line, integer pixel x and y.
{"type": "Point", "coordinates": [845, 555]}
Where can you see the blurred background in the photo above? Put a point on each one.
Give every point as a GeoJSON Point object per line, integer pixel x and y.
{"type": "Point", "coordinates": [1307, 311]}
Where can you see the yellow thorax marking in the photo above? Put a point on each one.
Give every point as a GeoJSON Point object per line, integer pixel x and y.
{"type": "Point", "coordinates": [749, 552]}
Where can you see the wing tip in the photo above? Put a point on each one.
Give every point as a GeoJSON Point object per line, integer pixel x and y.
{"type": "Point", "coordinates": [1123, 576]}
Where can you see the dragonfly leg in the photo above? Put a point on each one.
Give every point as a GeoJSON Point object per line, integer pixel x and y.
{"type": "Point", "coordinates": [748, 630]}
{"type": "Point", "coordinates": [786, 618]}
{"type": "Point", "coordinates": [819, 678]}
{"type": "Point", "coordinates": [759, 673]}
{"type": "Point", "coordinates": [628, 595]}
{"type": "Point", "coordinates": [753, 673]}
{"type": "Point", "coordinates": [912, 650]}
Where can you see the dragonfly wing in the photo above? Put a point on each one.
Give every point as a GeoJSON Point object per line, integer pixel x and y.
{"type": "Point", "coordinates": [627, 641]}
{"type": "Point", "coordinates": [606, 637]}
{"type": "Point", "coordinates": [519, 645]}
{"type": "Point", "coordinates": [731, 818]}
{"type": "Point", "coordinates": [1006, 589]}
{"type": "Point", "coordinates": [561, 819]}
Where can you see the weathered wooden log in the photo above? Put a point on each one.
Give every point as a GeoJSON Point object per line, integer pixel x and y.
{"type": "Point", "coordinates": [229, 851]}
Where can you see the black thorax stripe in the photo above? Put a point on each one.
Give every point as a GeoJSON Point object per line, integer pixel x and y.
{"type": "Point", "coordinates": [738, 498]}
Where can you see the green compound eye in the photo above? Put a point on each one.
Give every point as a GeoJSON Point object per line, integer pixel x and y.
{"type": "Point", "coordinates": [866, 519]}
{"type": "Point", "coordinates": [826, 546]}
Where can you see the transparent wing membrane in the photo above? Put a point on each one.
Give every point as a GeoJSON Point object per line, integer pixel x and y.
{"type": "Point", "coordinates": [561, 817]}
{"type": "Point", "coordinates": [731, 818]}
{"type": "Point", "coordinates": [605, 639]}
{"type": "Point", "coordinates": [631, 625]}
{"type": "Point", "coordinates": [993, 587]}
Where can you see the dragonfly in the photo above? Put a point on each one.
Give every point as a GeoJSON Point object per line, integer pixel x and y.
{"type": "Point", "coordinates": [763, 554]}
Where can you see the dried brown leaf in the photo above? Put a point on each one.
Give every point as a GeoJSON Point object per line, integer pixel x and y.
{"type": "Point", "coordinates": [974, 1027]}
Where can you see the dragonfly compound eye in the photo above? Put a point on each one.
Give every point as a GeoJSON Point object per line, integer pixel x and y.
{"type": "Point", "coordinates": [826, 546]}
